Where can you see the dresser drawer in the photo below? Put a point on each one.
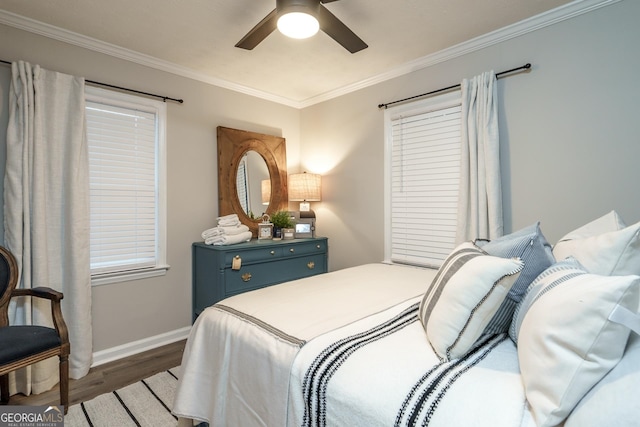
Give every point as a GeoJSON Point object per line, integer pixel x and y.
{"type": "Point", "coordinates": [257, 276]}
{"type": "Point", "coordinates": [253, 255]}
{"type": "Point", "coordinates": [305, 249]}
{"type": "Point", "coordinates": [306, 266]}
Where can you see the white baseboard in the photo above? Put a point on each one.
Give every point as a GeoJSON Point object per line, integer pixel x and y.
{"type": "Point", "coordinates": [109, 355]}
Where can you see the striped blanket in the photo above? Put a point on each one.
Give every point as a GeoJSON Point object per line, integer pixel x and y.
{"type": "Point", "coordinates": [381, 371]}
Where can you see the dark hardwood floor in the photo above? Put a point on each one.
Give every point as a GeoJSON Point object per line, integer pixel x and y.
{"type": "Point", "coordinates": [111, 376]}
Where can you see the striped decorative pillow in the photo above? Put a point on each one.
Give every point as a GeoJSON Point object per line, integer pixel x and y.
{"type": "Point", "coordinates": [548, 279]}
{"type": "Point", "coordinates": [530, 245]}
{"type": "Point", "coordinates": [463, 297]}
{"type": "Point", "coordinates": [571, 330]}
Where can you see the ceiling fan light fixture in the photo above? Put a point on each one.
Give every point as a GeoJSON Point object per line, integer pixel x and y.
{"type": "Point", "coordinates": [298, 19]}
{"type": "Point", "coordinates": [298, 25]}
{"type": "Point", "coordinates": [302, 19]}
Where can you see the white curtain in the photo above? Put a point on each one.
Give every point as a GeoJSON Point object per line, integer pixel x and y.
{"type": "Point", "coordinates": [480, 202]}
{"type": "Point", "coordinates": [46, 209]}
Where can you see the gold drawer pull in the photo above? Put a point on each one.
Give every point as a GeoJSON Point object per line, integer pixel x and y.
{"type": "Point", "coordinates": [292, 250]}
{"type": "Point", "coordinates": [311, 265]}
{"type": "Point", "coordinates": [272, 252]}
{"type": "Point", "coordinates": [246, 277]}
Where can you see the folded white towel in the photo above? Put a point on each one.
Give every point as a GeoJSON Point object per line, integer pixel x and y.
{"type": "Point", "coordinates": [230, 217]}
{"type": "Point", "coordinates": [236, 229]}
{"type": "Point", "coordinates": [212, 232]}
{"type": "Point", "coordinates": [213, 240]}
{"type": "Point", "coordinates": [231, 223]}
{"type": "Point", "coordinates": [221, 231]}
{"type": "Point", "coordinates": [229, 240]}
{"type": "Point", "coordinates": [230, 220]}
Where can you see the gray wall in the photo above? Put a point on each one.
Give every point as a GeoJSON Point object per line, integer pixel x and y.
{"type": "Point", "coordinates": [569, 132]}
{"type": "Point", "coordinates": [132, 311]}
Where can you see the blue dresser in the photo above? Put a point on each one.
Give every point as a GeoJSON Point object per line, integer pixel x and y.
{"type": "Point", "coordinates": [222, 271]}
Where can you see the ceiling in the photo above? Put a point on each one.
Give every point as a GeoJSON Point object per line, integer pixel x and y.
{"type": "Point", "coordinates": [197, 37]}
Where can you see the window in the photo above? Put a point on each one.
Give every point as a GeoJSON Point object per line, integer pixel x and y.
{"type": "Point", "coordinates": [422, 162]}
{"type": "Point", "coordinates": [126, 138]}
{"type": "Point", "coordinates": [242, 184]}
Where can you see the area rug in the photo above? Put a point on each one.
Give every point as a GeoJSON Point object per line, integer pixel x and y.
{"type": "Point", "coordinates": [145, 403]}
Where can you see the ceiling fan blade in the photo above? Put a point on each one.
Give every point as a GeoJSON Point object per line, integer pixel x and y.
{"type": "Point", "coordinates": [327, 1]}
{"type": "Point", "coordinates": [339, 32]}
{"type": "Point", "coordinates": [259, 32]}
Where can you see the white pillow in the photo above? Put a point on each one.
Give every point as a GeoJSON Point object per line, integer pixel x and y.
{"type": "Point", "coordinates": [566, 342]}
{"type": "Point", "coordinates": [611, 253]}
{"type": "Point", "coordinates": [613, 401]}
{"type": "Point", "coordinates": [604, 224]}
{"type": "Point", "coordinates": [463, 297]}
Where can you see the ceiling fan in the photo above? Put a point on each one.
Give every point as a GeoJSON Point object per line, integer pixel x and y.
{"type": "Point", "coordinates": [319, 17]}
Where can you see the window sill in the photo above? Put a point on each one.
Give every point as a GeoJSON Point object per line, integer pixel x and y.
{"type": "Point", "coordinates": [126, 276]}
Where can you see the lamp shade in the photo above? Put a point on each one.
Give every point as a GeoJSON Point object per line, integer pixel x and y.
{"type": "Point", "coordinates": [305, 187]}
{"type": "Point", "coordinates": [266, 191]}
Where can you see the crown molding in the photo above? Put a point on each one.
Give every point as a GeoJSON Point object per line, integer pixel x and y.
{"type": "Point", "coordinates": [559, 14]}
{"type": "Point", "coordinates": [567, 11]}
{"type": "Point", "coordinates": [60, 34]}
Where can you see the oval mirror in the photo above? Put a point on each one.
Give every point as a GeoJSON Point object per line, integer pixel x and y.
{"type": "Point", "coordinates": [252, 171]}
{"type": "Point", "coordinates": [233, 145]}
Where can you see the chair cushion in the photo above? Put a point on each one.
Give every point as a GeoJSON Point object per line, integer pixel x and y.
{"type": "Point", "coordinates": [22, 341]}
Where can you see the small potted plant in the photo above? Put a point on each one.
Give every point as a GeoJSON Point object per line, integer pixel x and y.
{"type": "Point", "coordinates": [281, 220]}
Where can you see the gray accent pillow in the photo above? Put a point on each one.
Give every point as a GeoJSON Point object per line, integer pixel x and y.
{"type": "Point", "coordinates": [530, 245]}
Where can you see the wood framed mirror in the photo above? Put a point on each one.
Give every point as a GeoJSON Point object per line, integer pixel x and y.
{"type": "Point", "coordinates": [245, 160]}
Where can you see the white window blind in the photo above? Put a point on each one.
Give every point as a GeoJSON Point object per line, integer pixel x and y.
{"type": "Point", "coordinates": [424, 162]}
{"type": "Point", "coordinates": [242, 184]}
{"type": "Point", "coordinates": [125, 167]}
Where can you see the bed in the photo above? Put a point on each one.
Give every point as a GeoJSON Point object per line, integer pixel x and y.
{"type": "Point", "coordinates": [488, 339]}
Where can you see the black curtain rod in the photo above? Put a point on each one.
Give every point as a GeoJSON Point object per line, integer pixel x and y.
{"type": "Point", "coordinates": [164, 98]}
{"type": "Point", "coordinates": [524, 67]}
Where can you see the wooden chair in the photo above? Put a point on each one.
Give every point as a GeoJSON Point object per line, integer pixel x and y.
{"type": "Point", "coordinates": [22, 346]}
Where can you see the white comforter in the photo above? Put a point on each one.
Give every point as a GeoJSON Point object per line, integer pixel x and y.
{"type": "Point", "coordinates": [381, 371]}
{"type": "Point", "coordinates": [247, 359]}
